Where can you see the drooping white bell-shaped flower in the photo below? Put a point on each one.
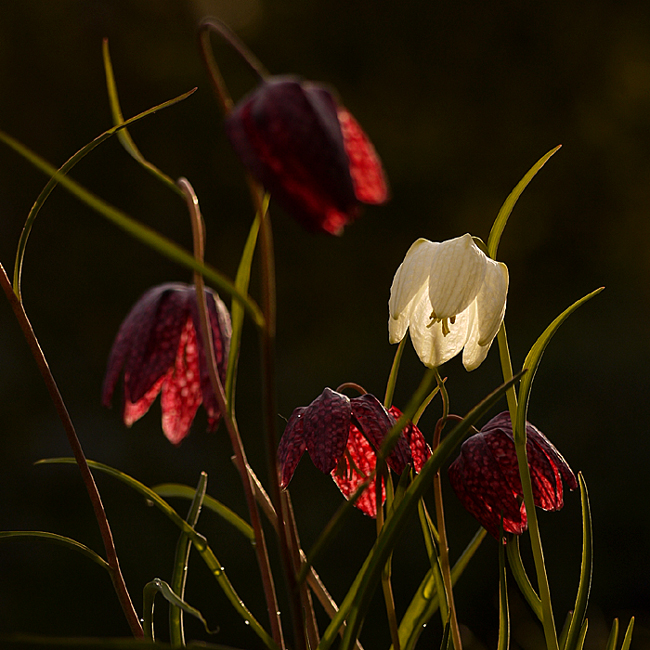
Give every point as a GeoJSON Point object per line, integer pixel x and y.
{"type": "Point", "coordinates": [451, 296]}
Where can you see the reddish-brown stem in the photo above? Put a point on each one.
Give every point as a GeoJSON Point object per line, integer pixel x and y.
{"type": "Point", "coordinates": [267, 332]}
{"type": "Point", "coordinates": [231, 425]}
{"type": "Point", "coordinates": [86, 475]}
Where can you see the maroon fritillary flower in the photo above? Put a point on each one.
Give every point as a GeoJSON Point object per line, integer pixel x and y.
{"type": "Point", "coordinates": [342, 436]}
{"type": "Point", "coordinates": [485, 477]}
{"type": "Point", "coordinates": [160, 349]}
{"type": "Point", "coordinates": [308, 152]}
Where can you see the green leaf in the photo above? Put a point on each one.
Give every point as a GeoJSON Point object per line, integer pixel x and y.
{"type": "Point", "coordinates": [586, 569]}
{"type": "Point", "coordinates": [627, 639]}
{"type": "Point", "coordinates": [123, 135]}
{"type": "Point", "coordinates": [356, 601]}
{"type": "Point", "coordinates": [186, 492]}
{"type": "Point", "coordinates": [199, 541]}
{"type": "Point", "coordinates": [66, 168]}
{"type": "Point", "coordinates": [181, 562]}
{"type": "Point", "coordinates": [613, 636]}
{"type": "Point", "coordinates": [534, 357]}
{"type": "Point", "coordinates": [137, 230]}
{"type": "Point", "coordinates": [58, 539]}
{"type": "Point", "coordinates": [508, 205]}
{"type": "Point", "coordinates": [149, 594]}
{"type": "Point", "coordinates": [242, 281]}
{"type": "Point", "coordinates": [521, 577]}
{"type": "Point", "coordinates": [425, 602]}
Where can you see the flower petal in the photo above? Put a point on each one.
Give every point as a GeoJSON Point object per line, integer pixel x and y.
{"type": "Point", "coordinates": [432, 346]}
{"type": "Point", "coordinates": [410, 280]}
{"type": "Point", "coordinates": [181, 390]}
{"type": "Point", "coordinates": [147, 341]}
{"type": "Point", "coordinates": [134, 411]}
{"type": "Point", "coordinates": [221, 333]}
{"type": "Point", "coordinates": [287, 133]}
{"type": "Point", "coordinates": [326, 425]}
{"type": "Point", "coordinates": [292, 446]}
{"type": "Point", "coordinates": [375, 422]}
{"type": "Point", "coordinates": [456, 274]}
{"type": "Point", "coordinates": [480, 485]}
{"type": "Point", "coordinates": [368, 177]}
{"type": "Point", "coordinates": [420, 450]}
{"type": "Point", "coordinates": [357, 464]}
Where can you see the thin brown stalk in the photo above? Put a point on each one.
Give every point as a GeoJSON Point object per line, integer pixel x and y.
{"type": "Point", "coordinates": [267, 333]}
{"type": "Point", "coordinates": [86, 475]}
{"type": "Point", "coordinates": [198, 230]}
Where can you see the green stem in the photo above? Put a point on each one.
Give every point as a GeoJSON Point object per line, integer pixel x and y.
{"type": "Point", "coordinates": [95, 498]}
{"type": "Point", "coordinates": [548, 621]}
{"type": "Point", "coordinates": [443, 548]}
{"type": "Point", "coordinates": [181, 559]}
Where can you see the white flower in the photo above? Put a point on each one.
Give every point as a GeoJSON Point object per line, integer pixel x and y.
{"type": "Point", "coordinates": [452, 297]}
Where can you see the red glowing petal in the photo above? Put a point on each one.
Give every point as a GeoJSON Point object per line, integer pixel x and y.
{"type": "Point", "coordinates": [221, 333]}
{"type": "Point", "coordinates": [367, 174]}
{"type": "Point", "coordinates": [376, 422]}
{"type": "Point", "coordinates": [287, 134]}
{"type": "Point", "coordinates": [326, 425]}
{"type": "Point", "coordinates": [133, 412]}
{"type": "Point", "coordinates": [354, 474]}
{"type": "Point", "coordinates": [181, 390]}
{"type": "Point", "coordinates": [292, 447]}
{"type": "Point", "coordinates": [420, 450]}
{"type": "Point", "coordinates": [154, 337]}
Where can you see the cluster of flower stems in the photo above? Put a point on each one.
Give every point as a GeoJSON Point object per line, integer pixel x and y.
{"type": "Point", "coordinates": [404, 500]}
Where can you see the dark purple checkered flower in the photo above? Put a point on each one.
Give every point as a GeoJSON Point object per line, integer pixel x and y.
{"type": "Point", "coordinates": [159, 347]}
{"type": "Point", "coordinates": [485, 476]}
{"type": "Point", "coordinates": [342, 436]}
{"type": "Point", "coordinates": [308, 152]}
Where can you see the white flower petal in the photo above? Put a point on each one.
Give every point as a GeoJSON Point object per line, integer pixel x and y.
{"type": "Point", "coordinates": [434, 348]}
{"type": "Point", "coordinates": [456, 273]}
{"type": "Point", "coordinates": [397, 326]}
{"type": "Point", "coordinates": [411, 276]}
{"type": "Point", "coordinates": [491, 301]}
{"type": "Point", "coordinates": [474, 353]}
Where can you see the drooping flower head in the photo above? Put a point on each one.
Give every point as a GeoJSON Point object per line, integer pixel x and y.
{"type": "Point", "coordinates": [308, 151]}
{"type": "Point", "coordinates": [159, 347]}
{"type": "Point", "coordinates": [451, 297]}
{"type": "Point", "coordinates": [342, 436]}
{"type": "Point", "coordinates": [485, 477]}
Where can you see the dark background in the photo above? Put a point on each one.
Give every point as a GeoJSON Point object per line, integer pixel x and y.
{"type": "Point", "coordinates": [460, 100]}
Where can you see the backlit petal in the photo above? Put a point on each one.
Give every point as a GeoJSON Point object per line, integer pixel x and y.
{"type": "Point", "coordinates": [455, 276]}
{"type": "Point", "coordinates": [410, 278]}
{"type": "Point", "coordinates": [354, 474]}
{"type": "Point", "coordinates": [181, 390]}
{"type": "Point", "coordinates": [432, 346]}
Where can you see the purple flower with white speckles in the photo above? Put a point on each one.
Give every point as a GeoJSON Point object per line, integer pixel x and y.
{"type": "Point", "coordinates": [342, 436]}
{"type": "Point", "coordinates": [485, 477]}
{"type": "Point", "coordinates": [160, 349]}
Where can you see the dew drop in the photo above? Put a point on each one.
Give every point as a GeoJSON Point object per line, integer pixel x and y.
{"type": "Point", "coordinates": [247, 622]}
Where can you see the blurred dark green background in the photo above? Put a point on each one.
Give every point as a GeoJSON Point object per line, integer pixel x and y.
{"type": "Point", "coordinates": [460, 100]}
